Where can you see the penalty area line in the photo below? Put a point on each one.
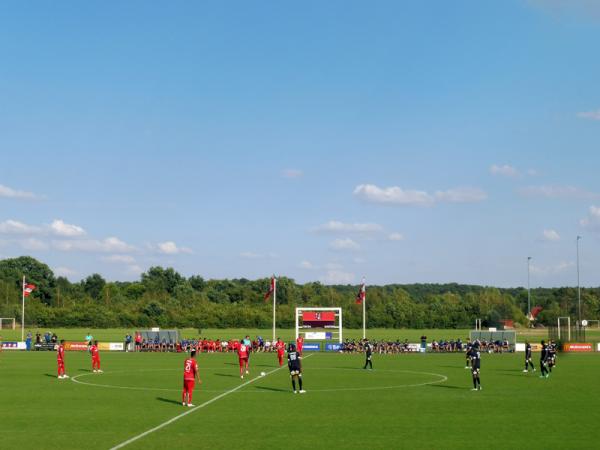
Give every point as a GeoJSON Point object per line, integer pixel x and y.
{"type": "Point", "coordinates": [196, 408]}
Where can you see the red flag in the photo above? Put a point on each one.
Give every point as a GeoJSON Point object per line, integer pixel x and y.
{"type": "Point", "coordinates": [362, 293]}
{"type": "Point", "coordinates": [28, 289]}
{"type": "Point", "coordinates": [271, 288]}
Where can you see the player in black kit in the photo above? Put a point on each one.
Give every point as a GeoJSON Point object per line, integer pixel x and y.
{"type": "Point", "coordinates": [551, 355]}
{"type": "Point", "coordinates": [475, 367]}
{"type": "Point", "coordinates": [368, 355]}
{"type": "Point", "coordinates": [528, 361]}
{"type": "Point", "coordinates": [295, 368]}
{"type": "Point", "coordinates": [544, 361]}
{"type": "Point", "coordinates": [468, 354]}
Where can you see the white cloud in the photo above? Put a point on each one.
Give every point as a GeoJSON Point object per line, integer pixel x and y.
{"type": "Point", "coordinates": [16, 227]}
{"type": "Point", "coordinates": [64, 272]}
{"type": "Point", "coordinates": [337, 277]}
{"type": "Point", "coordinates": [358, 260]}
{"type": "Point", "coordinates": [550, 235]}
{"type": "Point", "coordinates": [395, 237]}
{"type": "Point", "coordinates": [108, 245]}
{"type": "Point", "coordinates": [334, 226]}
{"type": "Point", "coordinates": [592, 221]}
{"type": "Point", "coordinates": [397, 196]}
{"type": "Point", "coordinates": [33, 244]}
{"type": "Point", "coordinates": [344, 244]}
{"type": "Point", "coordinates": [392, 195]}
{"type": "Point", "coordinates": [557, 192]}
{"type": "Point", "coordinates": [170, 248]}
{"type": "Point", "coordinates": [592, 115]}
{"type": "Point", "coordinates": [306, 265]}
{"type": "Point", "coordinates": [7, 192]}
{"type": "Point", "coordinates": [532, 172]}
{"type": "Point", "coordinates": [461, 195]}
{"type": "Point", "coordinates": [122, 259]}
{"type": "Point", "coordinates": [61, 228]}
{"type": "Point", "coordinates": [504, 170]}
{"type": "Point", "coordinates": [291, 173]}
{"type": "Point", "coordinates": [134, 269]}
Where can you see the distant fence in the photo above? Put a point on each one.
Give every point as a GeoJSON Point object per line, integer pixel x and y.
{"type": "Point", "coordinates": [564, 333]}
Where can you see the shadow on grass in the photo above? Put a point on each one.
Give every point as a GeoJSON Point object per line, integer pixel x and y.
{"type": "Point", "coordinates": [168, 400]}
{"type": "Point", "coordinates": [226, 375]}
{"type": "Point", "coordinates": [453, 367]}
{"type": "Point", "coordinates": [49, 375]}
{"type": "Point", "coordinates": [446, 386]}
{"type": "Point", "coordinates": [231, 364]}
{"type": "Point", "coordinates": [84, 370]}
{"type": "Point", "coordinates": [272, 389]}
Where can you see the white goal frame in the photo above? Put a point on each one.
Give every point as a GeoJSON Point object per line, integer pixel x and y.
{"type": "Point", "coordinates": [338, 315]}
{"type": "Point", "coordinates": [2, 319]}
{"type": "Point", "coordinates": [568, 319]}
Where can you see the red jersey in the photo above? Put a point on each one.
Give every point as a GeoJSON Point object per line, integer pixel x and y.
{"type": "Point", "coordinates": [299, 343]}
{"type": "Point", "coordinates": [190, 369]}
{"type": "Point", "coordinates": [94, 351]}
{"type": "Point", "coordinates": [243, 351]}
{"type": "Point", "coordinates": [280, 346]}
{"type": "Point", "coordinates": [60, 354]}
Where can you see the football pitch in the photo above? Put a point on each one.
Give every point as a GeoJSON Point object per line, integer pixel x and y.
{"type": "Point", "coordinates": [407, 401]}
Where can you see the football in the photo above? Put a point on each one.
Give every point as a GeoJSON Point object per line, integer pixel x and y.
{"type": "Point", "coordinates": [262, 374]}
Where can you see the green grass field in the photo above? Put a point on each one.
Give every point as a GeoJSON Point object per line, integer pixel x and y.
{"type": "Point", "coordinates": [408, 401]}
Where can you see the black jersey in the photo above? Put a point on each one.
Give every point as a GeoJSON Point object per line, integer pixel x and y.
{"type": "Point", "coordinates": [544, 354]}
{"type": "Point", "coordinates": [527, 350]}
{"type": "Point", "coordinates": [294, 360]}
{"type": "Point", "coordinates": [368, 349]}
{"type": "Point", "coordinates": [475, 359]}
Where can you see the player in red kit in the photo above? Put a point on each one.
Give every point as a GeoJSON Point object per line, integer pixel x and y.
{"type": "Point", "coordinates": [190, 375]}
{"type": "Point", "coordinates": [60, 359]}
{"type": "Point", "coordinates": [280, 347]}
{"type": "Point", "coordinates": [299, 344]}
{"type": "Point", "coordinates": [95, 357]}
{"type": "Point", "coordinates": [243, 357]}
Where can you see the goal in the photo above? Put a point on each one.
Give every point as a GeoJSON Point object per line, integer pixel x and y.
{"type": "Point", "coordinates": [319, 324]}
{"type": "Point", "coordinates": [7, 323]}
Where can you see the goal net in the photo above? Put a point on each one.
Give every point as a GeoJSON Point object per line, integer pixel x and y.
{"type": "Point", "coordinates": [319, 324]}
{"type": "Point", "coordinates": [7, 323]}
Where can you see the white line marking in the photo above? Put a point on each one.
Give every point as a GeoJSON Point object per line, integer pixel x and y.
{"type": "Point", "coordinates": [208, 402]}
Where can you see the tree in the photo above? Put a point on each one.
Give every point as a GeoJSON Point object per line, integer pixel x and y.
{"type": "Point", "coordinates": [35, 272]}
{"type": "Point", "coordinates": [94, 285]}
{"type": "Point", "coordinates": [159, 279]}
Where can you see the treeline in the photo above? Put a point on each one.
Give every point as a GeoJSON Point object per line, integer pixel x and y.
{"type": "Point", "coordinates": [163, 297]}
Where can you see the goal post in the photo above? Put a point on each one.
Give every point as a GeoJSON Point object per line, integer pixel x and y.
{"type": "Point", "coordinates": [319, 324]}
{"type": "Point", "coordinates": [7, 323]}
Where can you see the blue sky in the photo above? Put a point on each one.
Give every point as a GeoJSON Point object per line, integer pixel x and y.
{"type": "Point", "coordinates": [400, 141]}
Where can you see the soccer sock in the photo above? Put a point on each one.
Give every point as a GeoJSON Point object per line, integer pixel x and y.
{"type": "Point", "coordinates": [479, 381]}
{"type": "Point", "coordinates": [190, 397]}
{"type": "Point", "coordinates": [293, 383]}
{"type": "Point", "coordinates": [474, 383]}
{"type": "Point", "coordinates": [300, 382]}
{"type": "Point", "coordinates": [183, 396]}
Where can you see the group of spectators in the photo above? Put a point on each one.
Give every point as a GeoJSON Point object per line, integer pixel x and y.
{"type": "Point", "coordinates": [201, 345]}
{"type": "Point", "coordinates": [380, 347]}
{"type": "Point", "coordinates": [437, 346]}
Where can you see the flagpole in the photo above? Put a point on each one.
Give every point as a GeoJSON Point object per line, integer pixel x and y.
{"type": "Point", "coordinates": [364, 305]}
{"type": "Point", "coordinates": [23, 310]}
{"type": "Point", "coordinates": [274, 302]}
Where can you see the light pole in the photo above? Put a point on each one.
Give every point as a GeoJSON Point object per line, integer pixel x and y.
{"type": "Point", "coordinates": [528, 291]}
{"type": "Point", "coordinates": [578, 285]}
